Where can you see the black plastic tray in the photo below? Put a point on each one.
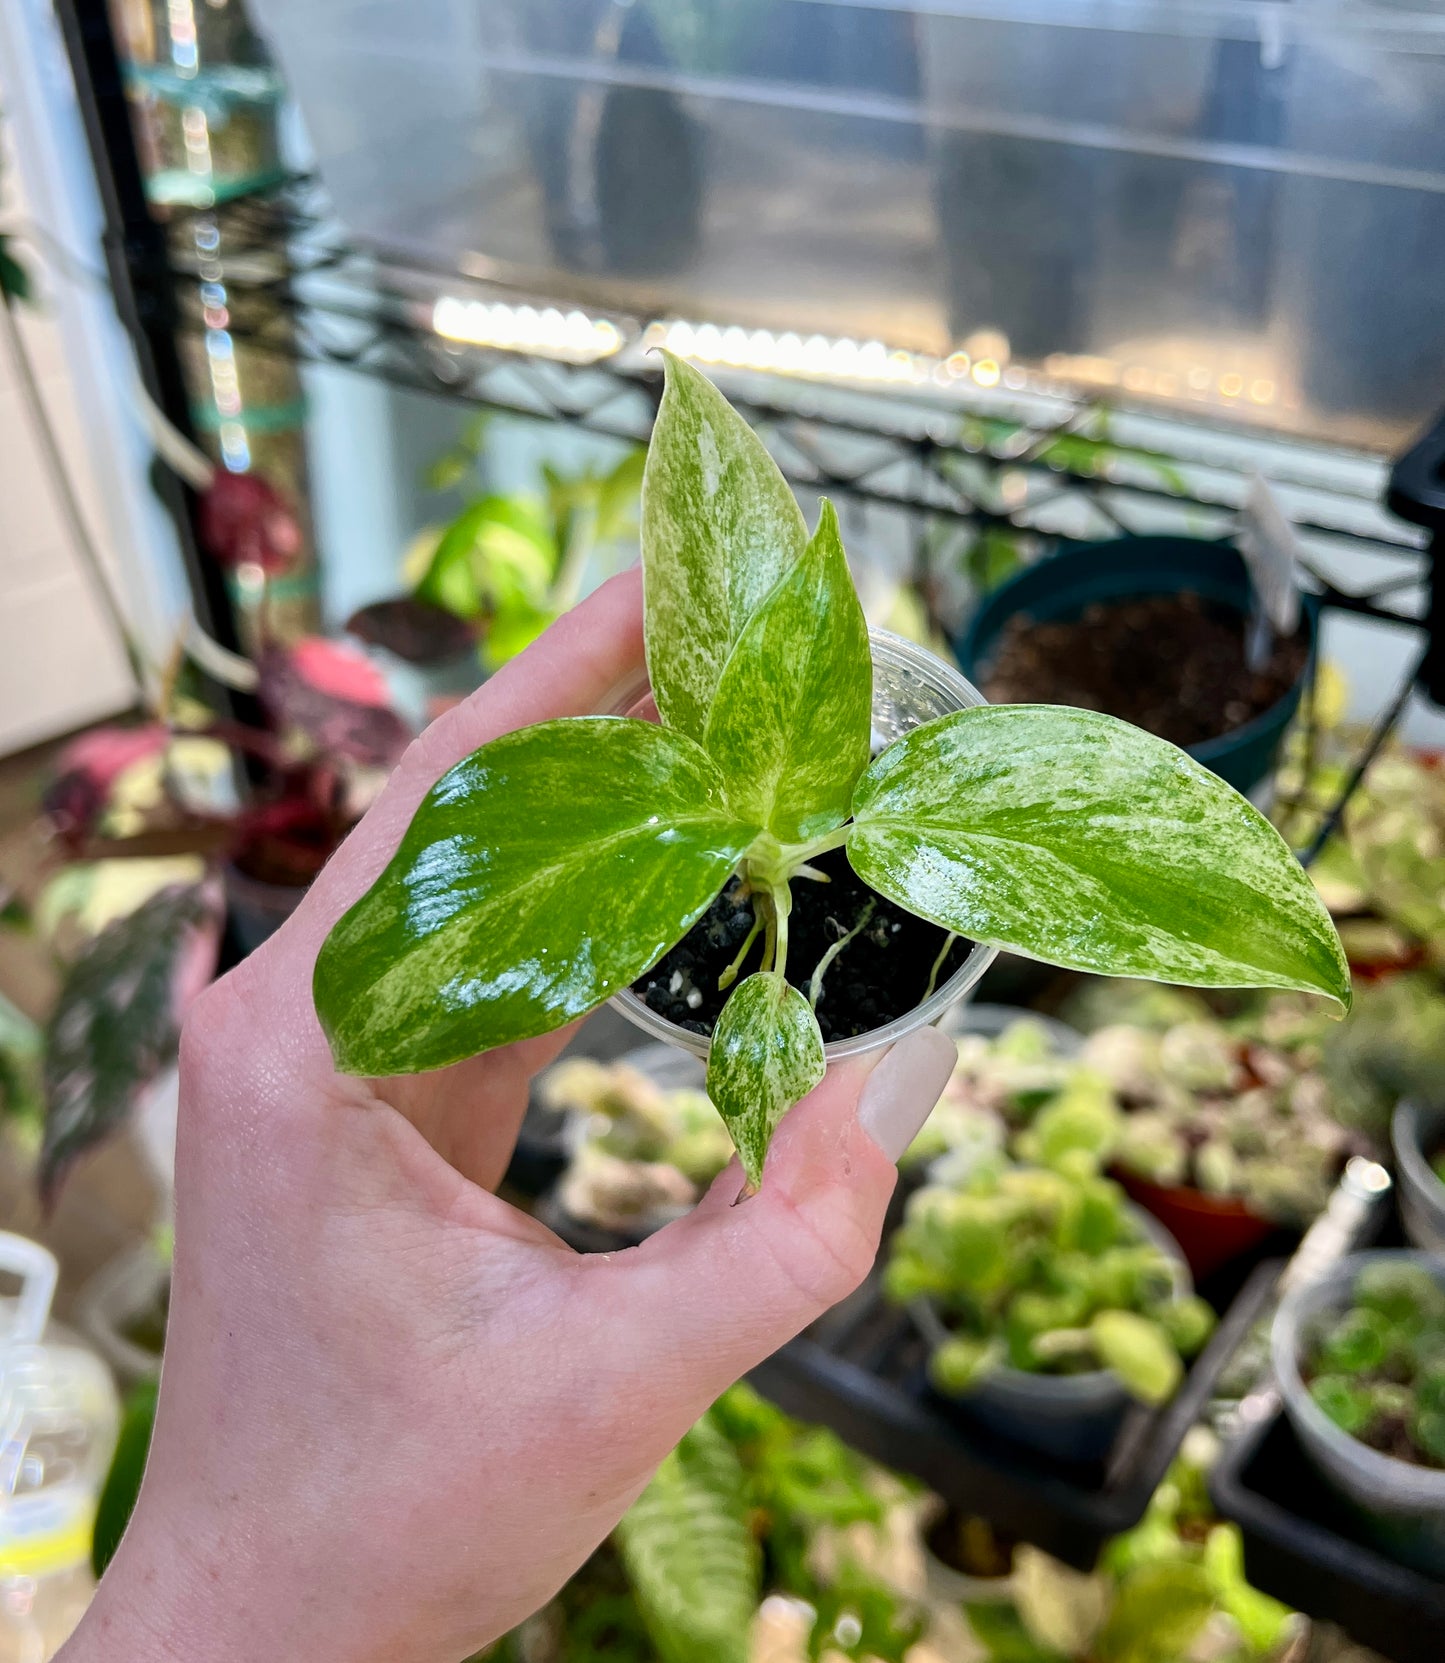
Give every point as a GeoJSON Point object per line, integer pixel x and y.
{"type": "Point", "coordinates": [859, 1370]}
{"type": "Point", "coordinates": [1301, 1545]}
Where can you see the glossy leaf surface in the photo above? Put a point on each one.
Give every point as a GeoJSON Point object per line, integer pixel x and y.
{"type": "Point", "coordinates": [766, 1053]}
{"type": "Point", "coordinates": [539, 876]}
{"type": "Point", "coordinates": [1074, 838]}
{"type": "Point", "coordinates": [791, 719]}
{"type": "Point", "coordinates": [719, 528]}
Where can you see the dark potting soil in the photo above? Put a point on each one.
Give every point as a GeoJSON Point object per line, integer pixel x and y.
{"type": "Point", "coordinates": [1171, 664]}
{"type": "Point", "coordinates": [879, 976]}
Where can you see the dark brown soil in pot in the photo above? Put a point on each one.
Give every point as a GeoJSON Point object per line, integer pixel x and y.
{"type": "Point", "coordinates": [1171, 664]}
{"type": "Point", "coordinates": [879, 976]}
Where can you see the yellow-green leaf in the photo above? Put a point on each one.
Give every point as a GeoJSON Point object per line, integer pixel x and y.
{"type": "Point", "coordinates": [1074, 838]}
{"type": "Point", "coordinates": [767, 1052]}
{"type": "Point", "coordinates": [719, 528]}
{"type": "Point", "coordinates": [538, 877]}
{"type": "Point", "coordinates": [790, 723]}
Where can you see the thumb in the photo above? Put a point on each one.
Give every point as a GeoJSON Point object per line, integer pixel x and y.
{"type": "Point", "coordinates": [710, 1296]}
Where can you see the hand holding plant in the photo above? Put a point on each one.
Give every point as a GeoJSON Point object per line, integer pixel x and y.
{"type": "Point", "coordinates": [550, 869]}
{"type": "Point", "coordinates": [382, 1381]}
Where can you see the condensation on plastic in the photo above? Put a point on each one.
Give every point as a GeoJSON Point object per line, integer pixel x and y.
{"type": "Point", "coordinates": [911, 686]}
{"type": "Point", "coordinates": [1405, 1503]}
{"type": "Point", "coordinates": [1163, 193]}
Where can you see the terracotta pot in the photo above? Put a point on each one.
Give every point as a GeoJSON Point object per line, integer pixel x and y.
{"type": "Point", "coordinates": [1211, 1230]}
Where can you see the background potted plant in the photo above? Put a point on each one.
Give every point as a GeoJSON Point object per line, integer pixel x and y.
{"type": "Point", "coordinates": [489, 581]}
{"type": "Point", "coordinates": [605, 842]}
{"type": "Point", "coordinates": [1151, 629]}
{"type": "Point", "coordinates": [645, 1141]}
{"type": "Point", "coordinates": [1047, 1302]}
{"type": "Point", "coordinates": [1417, 1133]}
{"type": "Point", "coordinates": [1360, 1359]}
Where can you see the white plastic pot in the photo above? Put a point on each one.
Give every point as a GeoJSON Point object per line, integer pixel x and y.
{"type": "Point", "coordinates": [1415, 1131]}
{"type": "Point", "coordinates": [1402, 1506]}
{"type": "Point", "coordinates": [911, 686]}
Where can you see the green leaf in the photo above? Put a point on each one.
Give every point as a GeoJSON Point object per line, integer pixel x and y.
{"type": "Point", "coordinates": [127, 1468]}
{"type": "Point", "coordinates": [14, 278]}
{"type": "Point", "coordinates": [791, 720]}
{"type": "Point", "coordinates": [1157, 1614]}
{"type": "Point", "coordinates": [497, 550]}
{"type": "Point", "coordinates": [690, 1555]}
{"type": "Point", "coordinates": [766, 1053]}
{"type": "Point", "coordinates": [538, 877]}
{"type": "Point", "coordinates": [719, 528]}
{"type": "Point", "coordinates": [116, 1024]}
{"type": "Point", "coordinates": [1074, 838]}
{"type": "Point", "coordinates": [1139, 1352]}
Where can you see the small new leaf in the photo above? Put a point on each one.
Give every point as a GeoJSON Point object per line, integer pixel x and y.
{"type": "Point", "coordinates": [1074, 838]}
{"type": "Point", "coordinates": [719, 528]}
{"type": "Point", "coordinates": [766, 1053]}
{"type": "Point", "coordinates": [539, 876]}
{"type": "Point", "coordinates": [790, 724]}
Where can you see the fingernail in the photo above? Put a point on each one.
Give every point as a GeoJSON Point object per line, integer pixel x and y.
{"type": "Point", "coordinates": [903, 1088]}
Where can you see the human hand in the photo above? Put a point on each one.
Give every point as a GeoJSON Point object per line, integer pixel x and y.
{"type": "Point", "coordinates": [397, 1414]}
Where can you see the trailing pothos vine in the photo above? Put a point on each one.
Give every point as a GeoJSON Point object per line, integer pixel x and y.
{"type": "Point", "coordinates": [555, 865]}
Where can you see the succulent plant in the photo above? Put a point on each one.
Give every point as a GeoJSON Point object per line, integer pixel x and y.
{"type": "Point", "coordinates": [1236, 1109]}
{"type": "Point", "coordinates": [1047, 1270]}
{"type": "Point", "coordinates": [643, 1151]}
{"type": "Point", "coordinates": [1377, 1369]}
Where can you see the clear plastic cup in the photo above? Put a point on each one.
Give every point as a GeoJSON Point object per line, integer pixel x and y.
{"type": "Point", "coordinates": [911, 686]}
{"type": "Point", "coordinates": [1402, 1506]}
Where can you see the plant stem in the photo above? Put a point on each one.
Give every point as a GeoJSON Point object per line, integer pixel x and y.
{"type": "Point", "coordinates": [815, 988]}
{"type": "Point", "coordinates": [948, 942]}
{"type": "Point", "coordinates": [782, 906]}
{"type": "Point", "coordinates": [730, 975]}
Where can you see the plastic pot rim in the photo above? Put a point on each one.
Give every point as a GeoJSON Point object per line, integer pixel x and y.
{"type": "Point", "coordinates": [1385, 1476]}
{"type": "Point", "coordinates": [1206, 750]}
{"type": "Point", "coordinates": [907, 656]}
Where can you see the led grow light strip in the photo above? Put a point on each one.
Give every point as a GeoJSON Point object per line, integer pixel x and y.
{"type": "Point", "coordinates": [568, 335]}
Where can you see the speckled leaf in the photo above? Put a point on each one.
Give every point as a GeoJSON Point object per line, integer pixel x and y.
{"type": "Point", "coordinates": [790, 724]}
{"type": "Point", "coordinates": [538, 877]}
{"type": "Point", "coordinates": [117, 1021]}
{"type": "Point", "coordinates": [1074, 838]}
{"type": "Point", "coordinates": [766, 1053]}
{"type": "Point", "coordinates": [719, 528]}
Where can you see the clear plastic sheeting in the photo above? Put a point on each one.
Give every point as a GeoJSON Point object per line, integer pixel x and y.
{"type": "Point", "coordinates": [1238, 204]}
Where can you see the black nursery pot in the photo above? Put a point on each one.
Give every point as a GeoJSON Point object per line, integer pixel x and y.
{"type": "Point", "coordinates": [1059, 589]}
{"type": "Point", "coordinates": [910, 687]}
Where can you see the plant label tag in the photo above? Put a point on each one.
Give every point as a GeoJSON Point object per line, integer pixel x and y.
{"type": "Point", "coordinates": [1271, 548]}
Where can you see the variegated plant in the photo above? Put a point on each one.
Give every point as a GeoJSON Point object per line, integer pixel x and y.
{"type": "Point", "coordinates": [554, 866]}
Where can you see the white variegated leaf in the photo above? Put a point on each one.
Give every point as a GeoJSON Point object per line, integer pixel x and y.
{"type": "Point", "coordinates": [1074, 838]}
{"type": "Point", "coordinates": [539, 876]}
{"type": "Point", "coordinates": [766, 1053]}
{"type": "Point", "coordinates": [719, 528]}
{"type": "Point", "coordinates": [790, 724]}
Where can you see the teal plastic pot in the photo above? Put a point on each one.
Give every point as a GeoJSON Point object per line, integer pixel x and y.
{"type": "Point", "coordinates": [1059, 589]}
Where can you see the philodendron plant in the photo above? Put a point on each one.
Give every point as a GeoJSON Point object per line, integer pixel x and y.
{"type": "Point", "coordinates": [554, 866]}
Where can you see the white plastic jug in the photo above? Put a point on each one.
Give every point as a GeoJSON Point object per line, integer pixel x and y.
{"type": "Point", "coordinates": [58, 1418]}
